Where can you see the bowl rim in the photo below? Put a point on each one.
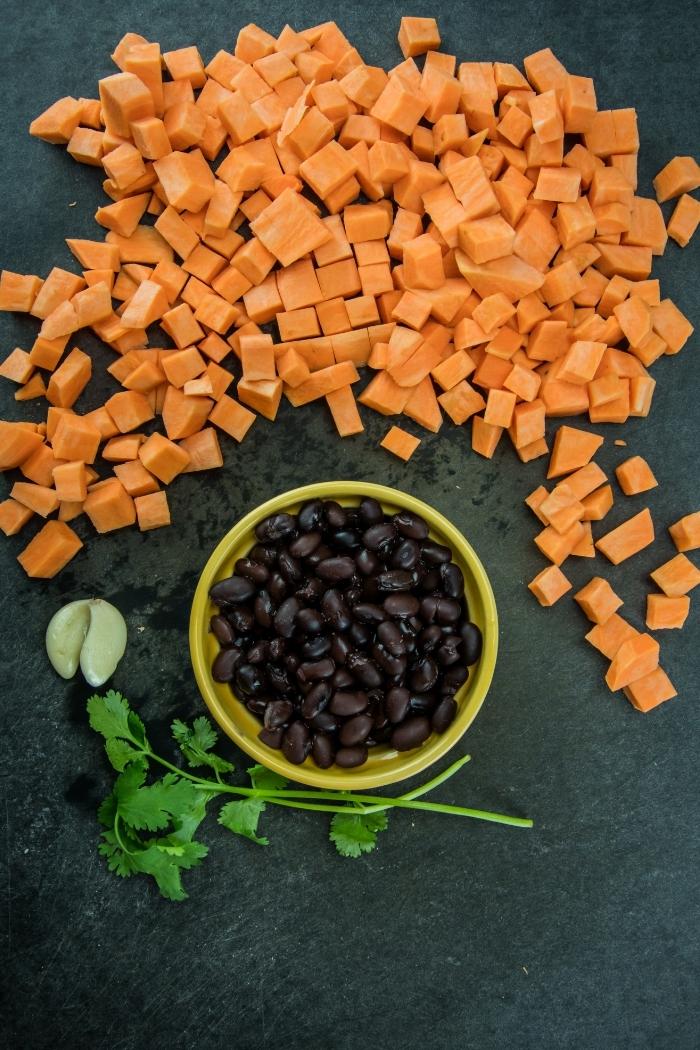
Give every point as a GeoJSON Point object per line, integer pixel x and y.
{"type": "Point", "coordinates": [362, 778]}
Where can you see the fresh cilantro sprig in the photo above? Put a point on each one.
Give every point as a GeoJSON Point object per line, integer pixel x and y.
{"type": "Point", "coordinates": [149, 822]}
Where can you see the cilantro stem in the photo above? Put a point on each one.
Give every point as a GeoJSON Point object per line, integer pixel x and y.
{"type": "Point", "coordinates": [400, 803]}
{"type": "Point", "coordinates": [117, 822]}
{"type": "Point", "coordinates": [378, 803]}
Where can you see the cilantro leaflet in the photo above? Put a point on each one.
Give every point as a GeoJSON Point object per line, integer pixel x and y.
{"type": "Point", "coordinates": [355, 833]}
{"type": "Point", "coordinates": [242, 818]}
{"type": "Point", "coordinates": [196, 743]}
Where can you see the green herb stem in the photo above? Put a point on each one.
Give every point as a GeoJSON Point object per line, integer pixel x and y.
{"type": "Point", "coordinates": [399, 803]}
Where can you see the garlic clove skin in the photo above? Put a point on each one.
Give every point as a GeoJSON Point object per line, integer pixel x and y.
{"type": "Point", "coordinates": [104, 643]}
{"type": "Point", "coordinates": [65, 636]}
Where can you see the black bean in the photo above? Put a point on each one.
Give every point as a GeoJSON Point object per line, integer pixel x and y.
{"type": "Point", "coordinates": [349, 757]}
{"type": "Point", "coordinates": [260, 553]}
{"type": "Point", "coordinates": [456, 676]}
{"type": "Point", "coordinates": [335, 515]}
{"type": "Point", "coordinates": [257, 707]}
{"type": "Point", "coordinates": [312, 670]}
{"type": "Point", "coordinates": [395, 580]}
{"type": "Point", "coordinates": [430, 582]}
{"type": "Point", "coordinates": [305, 544]}
{"type": "Point", "coordinates": [448, 610]}
{"type": "Point", "coordinates": [428, 609]}
{"type": "Point", "coordinates": [311, 590]}
{"type": "Point", "coordinates": [322, 551]}
{"type": "Point", "coordinates": [452, 580]}
{"type": "Point", "coordinates": [277, 713]}
{"type": "Point", "coordinates": [406, 555]}
{"type": "Point", "coordinates": [250, 680]}
{"type": "Point", "coordinates": [310, 515]}
{"type": "Point", "coordinates": [309, 621]}
{"type": "Point", "coordinates": [272, 737]}
{"type": "Point", "coordinates": [355, 730]}
{"type": "Point", "coordinates": [471, 641]}
{"type": "Point", "coordinates": [401, 605]}
{"type": "Point", "coordinates": [278, 679]}
{"type": "Point", "coordinates": [348, 704]}
{"type": "Point", "coordinates": [423, 675]}
{"type": "Point", "coordinates": [277, 586]}
{"type": "Point", "coordinates": [316, 647]}
{"type": "Point", "coordinates": [252, 570]}
{"type": "Point", "coordinates": [335, 610]}
{"type": "Point", "coordinates": [285, 616]}
{"type": "Point", "coordinates": [449, 651]}
{"type": "Point", "coordinates": [233, 591]}
{"type": "Point", "coordinates": [225, 663]}
{"type": "Point", "coordinates": [342, 679]}
{"type": "Point", "coordinates": [222, 630]}
{"type": "Point", "coordinates": [389, 635]}
{"type": "Point", "coordinates": [411, 733]}
{"type": "Point", "coordinates": [340, 647]}
{"type": "Point", "coordinates": [379, 720]}
{"type": "Point", "coordinates": [360, 635]}
{"type": "Point", "coordinates": [258, 653]}
{"type": "Point", "coordinates": [444, 715]}
{"type": "Point", "coordinates": [370, 511]}
{"type": "Point", "coordinates": [367, 562]}
{"type": "Point", "coordinates": [276, 527]}
{"type": "Point", "coordinates": [242, 620]}
{"type": "Point", "coordinates": [364, 670]}
{"type": "Point", "coordinates": [435, 553]}
{"type": "Point", "coordinates": [346, 539]}
{"type": "Point", "coordinates": [297, 743]}
{"type": "Point", "coordinates": [277, 648]}
{"type": "Point", "coordinates": [291, 662]}
{"type": "Point", "coordinates": [411, 525]}
{"type": "Point", "coordinates": [429, 638]}
{"type": "Point", "coordinates": [354, 595]}
{"type": "Point", "coordinates": [315, 700]}
{"type": "Point", "coordinates": [380, 539]}
{"type": "Point", "coordinates": [367, 612]}
{"type": "Point", "coordinates": [324, 721]}
{"type": "Point", "coordinates": [290, 568]}
{"type": "Point", "coordinates": [396, 703]}
{"type": "Point", "coordinates": [391, 665]}
{"type": "Point", "coordinates": [322, 750]}
{"type": "Point", "coordinates": [263, 609]}
{"type": "Point", "coordinates": [335, 569]}
{"type": "Point", "coordinates": [423, 703]}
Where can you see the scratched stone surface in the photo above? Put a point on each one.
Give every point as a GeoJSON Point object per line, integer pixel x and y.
{"type": "Point", "coordinates": [579, 935]}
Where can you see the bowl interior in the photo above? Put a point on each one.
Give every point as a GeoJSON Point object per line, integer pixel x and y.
{"type": "Point", "coordinates": [384, 765]}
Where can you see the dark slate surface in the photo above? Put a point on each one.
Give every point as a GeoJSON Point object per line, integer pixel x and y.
{"type": "Point", "coordinates": [580, 935]}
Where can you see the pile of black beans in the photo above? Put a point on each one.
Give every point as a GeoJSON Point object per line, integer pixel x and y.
{"type": "Point", "coordinates": [344, 628]}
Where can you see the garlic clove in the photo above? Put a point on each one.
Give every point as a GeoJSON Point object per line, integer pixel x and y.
{"type": "Point", "coordinates": [65, 636]}
{"type": "Point", "coordinates": [104, 643]}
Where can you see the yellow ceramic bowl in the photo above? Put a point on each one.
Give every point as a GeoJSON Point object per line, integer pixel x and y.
{"type": "Point", "coordinates": [384, 765]}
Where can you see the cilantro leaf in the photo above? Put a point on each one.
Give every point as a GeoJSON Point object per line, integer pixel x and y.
{"type": "Point", "coordinates": [264, 779]}
{"type": "Point", "coordinates": [118, 861]}
{"type": "Point", "coordinates": [120, 753]}
{"type": "Point", "coordinates": [242, 818]}
{"type": "Point", "coordinates": [152, 807]}
{"type": "Point", "coordinates": [355, 833]}
{"type": "Point", "coordinates": [196, 743]}
{"type": "Point", "coordinates": [188, 820]}
{"type": "Point", "coordinates": [165, 863]}
{"type": "Point", "coordinates": [111, 716]}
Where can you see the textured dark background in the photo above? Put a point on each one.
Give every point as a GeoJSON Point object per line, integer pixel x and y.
{"type": "Point", "coordinates": [581, 934]}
